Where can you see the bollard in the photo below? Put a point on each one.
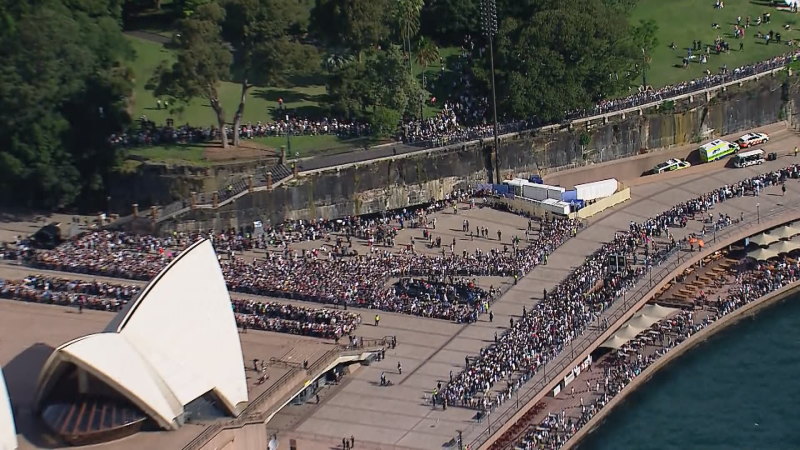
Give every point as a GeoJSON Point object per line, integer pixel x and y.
{"type": "Point", "coordinates": [215, 200]}
{"type": "Point", "coordinates": [269, 180]}
{"type": "Point", "coordinates": [249, 183]}
{"type": "Point", "coordinates": [193, 199]}
{"type": "Point", "coordinates": [135, 208]}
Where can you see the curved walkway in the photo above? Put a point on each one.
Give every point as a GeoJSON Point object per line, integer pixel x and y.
{"type": "Point", "coordinates": [430, 350]}
{"type": "Point", "coordinates": [697, 338]}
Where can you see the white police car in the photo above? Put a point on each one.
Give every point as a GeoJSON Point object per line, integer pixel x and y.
{"type": "Point", "coordinates": [751, 139]}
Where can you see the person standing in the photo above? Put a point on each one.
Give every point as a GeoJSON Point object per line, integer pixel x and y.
{"type": "Point", "coordinates": [377, 320]}
{"type": "Point", "coordinates": [399, 368]}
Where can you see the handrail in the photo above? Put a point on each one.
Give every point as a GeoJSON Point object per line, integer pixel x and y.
{"type": "Point", "coordinates": [617, 309]}
{"type": "Point", "coordinates": [248, 415]}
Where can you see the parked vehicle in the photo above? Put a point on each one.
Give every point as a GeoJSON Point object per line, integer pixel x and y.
{"type": "Point", "coordinates": [751, 139]}
{"type": "Point", "coordinates": [717, 149]}
{"type": "Point", "coordinates": [751, 158]}
{"type": "Point", "coordinates": [670, 165]}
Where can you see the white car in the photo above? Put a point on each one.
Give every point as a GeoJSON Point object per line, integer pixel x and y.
{"type": "Point", "coordinates": [751, 139]}
{"type": "Point", "coordinates": [670, 165]}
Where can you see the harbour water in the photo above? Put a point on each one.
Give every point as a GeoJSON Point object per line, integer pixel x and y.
{"type": "Point", "coordinates": [738, 390]}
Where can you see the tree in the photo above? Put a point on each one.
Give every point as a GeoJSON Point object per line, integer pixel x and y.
{"type": "Point", "coordinates": [266, 36]}
{"type": "Point", "coordinates": [383, 121]}
{"type": "Point", "coordinates": [62, 93]}
{"type": "Point", "coordinates": [645, 38]}
{"type": "Point", "coordinates": [448, 21]}
{"type": "Point", "coordinates": [355, 25]}
{"type": "Point", "coordinates": [407, 17]}
{"type": "Point", "coordinates": [563, 57]}
{"type": "Point", "coordinates": [203, 60]}
{"type": "Point", "coordinates": [379, 80]}
{"type": "Point", "coordinates": [427, 54]}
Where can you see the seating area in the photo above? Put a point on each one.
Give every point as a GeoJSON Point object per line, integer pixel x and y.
{"type": "Point", "coordinates": [696, 282]}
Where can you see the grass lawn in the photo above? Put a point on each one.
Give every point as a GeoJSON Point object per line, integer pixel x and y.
{"type": "Point", "coordinates": [260, 106]}
{"type": "Point", "coordinates": [682, 21]}
{"type": "Point", "coordinates": [191, 155]}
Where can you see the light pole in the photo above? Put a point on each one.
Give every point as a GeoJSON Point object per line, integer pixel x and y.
{"type": "Point", "coordinates": [489, 27]}
{"type": "Point", "coordinates": [758, 212]}
{"type": "Point", "coordinates": [288, 131]}
{"type": "Point", "coordinates": [644, 68]}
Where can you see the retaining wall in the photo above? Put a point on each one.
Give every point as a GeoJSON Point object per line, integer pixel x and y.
{"type": "Point", "coordinates": [403, 180]}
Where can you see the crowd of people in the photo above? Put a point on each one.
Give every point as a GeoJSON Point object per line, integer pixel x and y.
{"type": "Point", "coordinates": [335, 273]}
{"type": "Point", "coordinates": [98, 295]}
{"type": "Point", "coordinates": [293, 319]}
{"type": "Point", "coordinates": [65, 292]}
{"type": "Point", "coordinates": [619, 369]}
{"type": "Point", "coordinates": [149, 133]}
{"type": "Point", "coordinates": [752, 281]}
{"type": "Point", "coordinates": [579, 300]}
{"type": "Point", "coordinates": [462, 118]}
{"type": "Point", "coordinates": [685, 87]}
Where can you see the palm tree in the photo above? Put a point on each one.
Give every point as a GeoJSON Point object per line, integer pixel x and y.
{"type": "Point", "coordinates": [407, 15]}
{"type": "Point", "coordinates": [427, 54]}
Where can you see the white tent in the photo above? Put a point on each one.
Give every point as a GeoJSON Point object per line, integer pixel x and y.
{"type": "Point", "coordinates": [614, 342]}
{"type": "Point", "coordinates": [174, 343]}
{"type": "Point", "coordinates": [762, 254]}
{"type": "Point", "coordinates": [662, 312]}
{"type": "Point", "coordinates": [784, 246]}
{"type": "Point", "coordinates": [764, 239]}
{"type": "Point", "coordinates": [642, 321]}
{"type": "Point", "coordinates": [785, 232]}
{"type": "Point", "coordinates": [8, 433]}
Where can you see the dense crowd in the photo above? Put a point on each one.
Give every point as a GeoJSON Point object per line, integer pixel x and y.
{"type": "Point", "coordinates": [268, 316]}
{"type": "Point", "coordinates": [334, 274]}
{"type": "Point", "coordinates": [149, 133]}
{"type": "Point", "coordinates": [580, 299]}
{"type": "Point", "coordinates": [621, 367]}
{"type": "Point", "coordinates": [292, 319]}
{"type": "Point", "coordinates": [462, 118]}
{"type": "Point", "coordinates": [60, 291]}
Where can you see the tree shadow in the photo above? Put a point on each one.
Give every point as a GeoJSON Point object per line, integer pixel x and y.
{"type": "Point", "coordinates": [288, 96]}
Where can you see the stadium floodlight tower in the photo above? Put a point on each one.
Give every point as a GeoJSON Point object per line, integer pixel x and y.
{"type": "Point", "coordinates": [489, 28]}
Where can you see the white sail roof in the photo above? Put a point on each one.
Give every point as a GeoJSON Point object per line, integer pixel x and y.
{"type": "Point", "coordinates": [8, 432]}
{"type": "Point", "coordinates": [177, 341]}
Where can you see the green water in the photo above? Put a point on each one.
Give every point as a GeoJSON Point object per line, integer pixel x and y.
{"type": "Point", "coordinates": [738, 390]}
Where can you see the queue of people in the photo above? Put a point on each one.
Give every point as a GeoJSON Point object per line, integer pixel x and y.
{"type": "Point", "coordinates": [579, 300]}
{"type": "Point", "coordinates": [624, 365]}
{"type": "Point", "coordinates": [336, 275]}
{"type": "Point", "coordinates": [97, 295]}
{"type": "Point", "coordinates": [293, 319]}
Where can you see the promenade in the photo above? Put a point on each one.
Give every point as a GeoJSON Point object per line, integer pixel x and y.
{"type": "Point", "coordinates": [399, 415]}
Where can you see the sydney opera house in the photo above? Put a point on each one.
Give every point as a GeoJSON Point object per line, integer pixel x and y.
{"type": "Point", "coordinates": [173, 350]}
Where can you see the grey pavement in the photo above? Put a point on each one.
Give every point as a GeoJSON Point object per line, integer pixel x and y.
{"type": "Point", "coordinates": [430, 349]}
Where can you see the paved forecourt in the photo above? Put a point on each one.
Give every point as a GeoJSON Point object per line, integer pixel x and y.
{"type": "Point", "coordinates": [429, 349]}
{"type": "Point", "coordinates": [29, 332]}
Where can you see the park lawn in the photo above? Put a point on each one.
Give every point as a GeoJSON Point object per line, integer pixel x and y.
{"type": "Point", "coordinates": [682, 21]}
{"type": "Point", "coordinates": [304, 146]}
{"type": "Point", "coordinates": [261, 104]}
{"type": "Point", "coordinates": [179, 154]}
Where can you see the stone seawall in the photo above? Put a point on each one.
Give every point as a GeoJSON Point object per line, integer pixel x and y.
{"type": "Point", "coordinates": [403, 180]}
